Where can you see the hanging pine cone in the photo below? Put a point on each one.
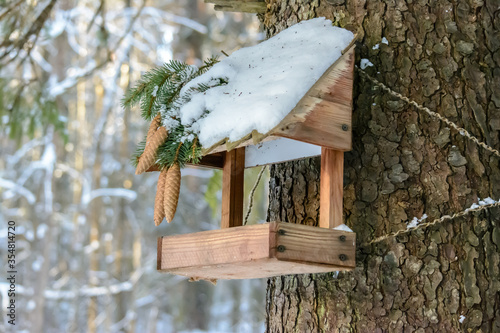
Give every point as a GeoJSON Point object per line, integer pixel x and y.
{"type": "Point", "coordinates": [148, 157]}
{"type": "Point", "coordinates": [159, 214]}
{"type": "Point", "coordinates": [153, 127]}
{"type": "Point", "coordinates": [172, 188]}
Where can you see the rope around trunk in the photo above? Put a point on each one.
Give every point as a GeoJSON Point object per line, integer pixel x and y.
{"type": "Point", "coordinates": [451, 124]}
{"type": "Point", "coordinates": [434, 222]}
{"type": "Point", "coordinates": [461, 130]}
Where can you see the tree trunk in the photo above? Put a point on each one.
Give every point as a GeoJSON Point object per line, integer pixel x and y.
{"type": "Point", "coordinates": [446, 56]}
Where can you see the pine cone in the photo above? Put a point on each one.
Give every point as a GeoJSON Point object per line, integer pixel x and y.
{"type": "Point", "coordinates": [148, 157]}
{"type": "Point", "coordinates": [155, 123]}
{"type": "Point", "coordinates": [159, 214]}
{"type": "Point", "coordinates": [172, 188]}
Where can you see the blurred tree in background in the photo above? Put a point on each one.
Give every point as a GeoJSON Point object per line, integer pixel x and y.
{"type": "Point", "coordinates": [86, 241]}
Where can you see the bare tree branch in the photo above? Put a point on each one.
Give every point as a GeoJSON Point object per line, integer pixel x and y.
{"type": "Point", "coordinates": [35, 29]}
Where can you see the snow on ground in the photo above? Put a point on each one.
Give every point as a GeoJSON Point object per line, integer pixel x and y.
{"type": "Point", "coordinates": [265, 81]}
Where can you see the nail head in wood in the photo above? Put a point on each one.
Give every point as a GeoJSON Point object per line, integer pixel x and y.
{"type": "Point", "coordinates": [281, 232]}
{"type": "Point", "coordinates": [342, 238]}
{"type": "Point", "coordinates": [343, 257]}
{"type": "Point", "coordinates": [345, 127]}
{"type": "Point", "coordinates": [281, 248]}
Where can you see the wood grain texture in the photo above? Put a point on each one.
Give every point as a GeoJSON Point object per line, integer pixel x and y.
{"type": "Point", "coordinates": [222, 146]}
{"type": "Point", "coordinates": [159, 251]}
{"type": "Point", "coordinates": [324, 115]}
{"type": "Point", "coordinates": [215, 247]}
{"type": "Point", "coordinates": [254, 251]}
{"type": "Point", "coordinates": [331, 188]}
{"type": "Point", "coordinates": [232, 188]}
{"type": "Point", "coordinates": [315, 245]}
{"type": "Point", "coordinates": [254, 269]}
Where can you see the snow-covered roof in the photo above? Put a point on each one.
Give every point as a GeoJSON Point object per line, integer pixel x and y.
{"type": "Point", "coordinates": [265, 82]}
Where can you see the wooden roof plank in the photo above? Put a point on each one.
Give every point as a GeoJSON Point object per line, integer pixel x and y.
{"type": "Point", "coordinates": [324, 115]}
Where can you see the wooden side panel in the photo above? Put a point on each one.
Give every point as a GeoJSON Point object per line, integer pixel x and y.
{"type": "Point", "coordinates": [324, 115]}
{"type": "Point", "coordinates": [231, 245]}
{"type": "Point", "coordinates": [159, 249]}
{"type": "Point", "coordinates": [278, 151]}
{"type": "Point", "coordinates": [331, 188]}
{"type": "Point", "coordinates": [300, 243]}
{"type": "Point", "coordinates": [232, 188]}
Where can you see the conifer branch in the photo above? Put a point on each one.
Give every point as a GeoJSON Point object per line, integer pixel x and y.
{"type": "Point", "coordinates": [159, 95]}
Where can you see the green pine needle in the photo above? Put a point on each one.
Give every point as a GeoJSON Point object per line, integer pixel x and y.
{"type": "Point", "coordinates": [159, 91]}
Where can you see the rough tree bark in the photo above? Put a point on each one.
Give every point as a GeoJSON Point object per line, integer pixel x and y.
{"type": "Point", "coordinates": [444, 55]}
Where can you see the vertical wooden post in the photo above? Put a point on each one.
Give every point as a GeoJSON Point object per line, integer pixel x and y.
{"type": "Point", "coordinates": [331, 188]}
{"type": "Point", "coordinates": [232, 188]}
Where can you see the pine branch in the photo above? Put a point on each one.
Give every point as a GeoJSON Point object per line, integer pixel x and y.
{"type": "Point", "coordinates": [138, 152]}
{"type": "Point", "coordinates": [159, 95]}
{"type": "Point", "coordinates": [134, 95]}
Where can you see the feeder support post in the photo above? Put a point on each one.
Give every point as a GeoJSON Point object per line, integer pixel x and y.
{"type": "Point", "coordinates": [331, 188]}
{"type": "Point", "coordinates": [232, 188]}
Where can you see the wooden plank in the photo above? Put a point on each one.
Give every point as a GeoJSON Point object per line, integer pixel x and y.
{"type": "Point", "coordinates": [255, 269]}
{"type": "Point", "coordinates": [331, 188]}
{"type": "Point", "coordinates": [221, 147]}
{"type": "Point", "coordinates": [232, 188]}
{"type": "Point", "coordinates": [278, 151]}
{"type": "Point", "coordinates": [324, 115]}
{"type": "Point", "coordinates": [326, 124]}
{"type": "Point", "coordinates": [159, 251]}
{"type": "Point", "coordinates": [254, 251]}
{"type": "Point", "coordinates": [214, 161]}
{"type": "Point", "coordinates": [302, 243]}
{"type": "Point", "coordinates": [214, 247]}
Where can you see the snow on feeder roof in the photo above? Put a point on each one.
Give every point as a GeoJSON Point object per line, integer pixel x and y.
{"type": "Point", "coordinates": [296, 85]}
{"type": "Point", "coordinates": [269, 80]}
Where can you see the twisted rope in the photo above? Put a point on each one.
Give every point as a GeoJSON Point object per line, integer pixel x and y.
{"type": "Point", "coordinates": [451, 124]}
{"type": "Point", "coordinates": [461, 130]}
{"type": "Point", "coordinates": [252, 193]}
{"type": "Point", "coordinates": [434, 222]}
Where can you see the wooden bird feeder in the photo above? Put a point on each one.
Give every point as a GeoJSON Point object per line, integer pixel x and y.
{"type": "Point", "coordinates": [320, 124]}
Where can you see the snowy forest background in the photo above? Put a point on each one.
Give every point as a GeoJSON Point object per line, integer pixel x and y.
{"type": "Point", "coordinates": [86, 241]}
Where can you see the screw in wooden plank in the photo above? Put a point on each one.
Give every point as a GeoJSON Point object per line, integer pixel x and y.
{"type": "Point", "coordinates": [343, 257]}
{"type": "Point", "coordinates": [345, 127]}
{"type": "Point", "coordinates": [342, 238]}
{"type": "Point", "coordinates": [281, 232]}
{"type": "Point", "coordinates": [281, 248]}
